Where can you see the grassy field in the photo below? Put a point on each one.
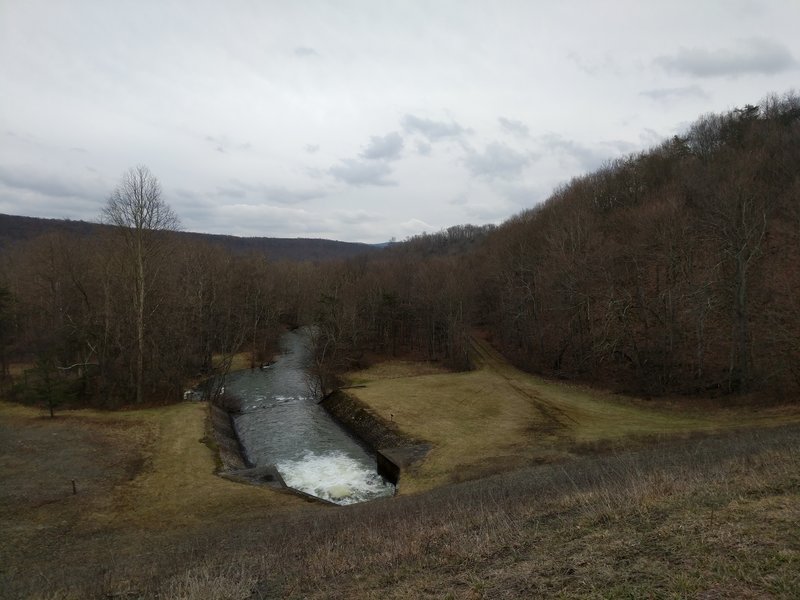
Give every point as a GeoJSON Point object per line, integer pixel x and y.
{"type": "Point", "coordinates": [533, 488]}
{"type": "Point", "coordinates": [140, 476]}
{"type": "Point", "coordinates": [498, 418]}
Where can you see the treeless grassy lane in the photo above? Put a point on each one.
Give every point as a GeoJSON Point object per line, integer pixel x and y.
{"type": "Point", "coordinates": [498, 417]}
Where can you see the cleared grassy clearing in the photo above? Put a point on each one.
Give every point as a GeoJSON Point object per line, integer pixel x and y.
{"type": "Point", "coordinates": [497, 417]}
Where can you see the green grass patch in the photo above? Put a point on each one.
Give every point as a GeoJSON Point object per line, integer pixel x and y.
{"type": "Point", "coordinates": [498, 418]}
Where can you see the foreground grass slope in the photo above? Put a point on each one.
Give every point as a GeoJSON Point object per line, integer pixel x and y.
{"type": "Point", "coordinates": [702, 518]}
{"type": "Point", "coordinates": [627, 505]}
{"type": "Point", "coordinates": [497, 417]}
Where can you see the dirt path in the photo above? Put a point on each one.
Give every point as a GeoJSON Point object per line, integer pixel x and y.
{"type": "Point", "coordinates": [553, 418]}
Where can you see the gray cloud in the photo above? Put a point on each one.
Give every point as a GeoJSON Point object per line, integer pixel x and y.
{"type": "Point", "coordinates": [271, 194]}
{"type": "Point", "coordinates": [362, 172]}
{"type": "Point", "coordinates": [356, 217]}
{"type": "Point", "coordinates": [279, 194]}
{"type": "Point", "coordinates": [586, 157]}
{"type": "Point", "coordinates": [387, 147]}
{"type": "Point", "coordinates": [433, 131]}
{"type": "Point", "coordinates": [126, 83]}
{"type": "Point", "coordinates": [459, 200]}
{"type": "Point", "coordinates": [594, 64]}
{"type": "Point", "coordinates": [514, 127]}
{"type": "Point", "coordinates": [305, 52]}
{"type": "Point", "coordinates": [424, 148]}
{"type": "Point", "coordinates": [650, 137]}
{"type": "Point", "coordinates": [757, 56]}
{"type": "Point", "coordinates": [224, 144]}
{"type": "Point", "coordinates": [46, 184]}
{"type": "Point", "coordinates": [675, 93]}
{"type": "Point", "coordinates": [524, 195]}
{"type": "Point", "coordinates": [496, 161]}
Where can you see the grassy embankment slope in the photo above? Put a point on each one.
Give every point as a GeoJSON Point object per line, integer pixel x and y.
{"type": "Point", "coordinates": [497, 418]}
{"type": "Point", "coordinates": [710, 516]}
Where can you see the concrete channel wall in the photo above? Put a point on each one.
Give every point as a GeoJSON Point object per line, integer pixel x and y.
{"type": "Point", "coordinates": [394, 451]}
{"type": "Point", "coordinates": [230, 450]}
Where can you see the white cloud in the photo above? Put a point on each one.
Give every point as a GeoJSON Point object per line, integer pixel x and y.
{"type": "Point", "coordinates": [362, 172]}
{"type": "Point", "coordinates": [277, 110]}
{"type": "Point", "coordinates": [496, 161]}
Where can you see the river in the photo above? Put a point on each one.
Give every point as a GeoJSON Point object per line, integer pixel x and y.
{"type": "Point", "coordinates": [281, 423]}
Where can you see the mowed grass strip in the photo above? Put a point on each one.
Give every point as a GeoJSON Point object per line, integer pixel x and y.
{"type": "Point", "coordinates": [498, 417]}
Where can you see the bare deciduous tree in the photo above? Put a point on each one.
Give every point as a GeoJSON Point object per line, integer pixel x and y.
{"type": "Point", "coordinates": [136, 208]}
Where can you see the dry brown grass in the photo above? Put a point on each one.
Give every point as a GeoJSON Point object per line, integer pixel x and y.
{"type": "Point", "coordinates": [140, 475]}
{"type": "Point", "coordinates": [707, 516]}
{"type": "Point", "coordinates": [239, 362]}
{"type": "Point", "coordinates": [713, 518]}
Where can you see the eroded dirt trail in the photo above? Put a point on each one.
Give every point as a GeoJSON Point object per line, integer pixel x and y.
{"type": "Point", "coordinates": [553, 417]}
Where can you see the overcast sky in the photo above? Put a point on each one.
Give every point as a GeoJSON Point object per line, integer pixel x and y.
{"type": "Point", "coordinates": [360, 121]}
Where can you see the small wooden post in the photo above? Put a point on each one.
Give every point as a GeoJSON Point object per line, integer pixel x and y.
{"type": "Point", "coordinates": [74, 489]}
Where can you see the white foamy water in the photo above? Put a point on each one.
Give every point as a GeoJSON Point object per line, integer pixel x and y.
{"type": "Point", "coordinates": [334, 476]}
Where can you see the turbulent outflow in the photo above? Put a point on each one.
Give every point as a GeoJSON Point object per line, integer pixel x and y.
{"type": "Point", "coordinates": [281, 423]}
{"type": "Point", "coordinates": [334, 476]}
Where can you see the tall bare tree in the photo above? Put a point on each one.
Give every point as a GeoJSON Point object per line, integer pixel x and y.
{"type": "Point", "coordinates": [142, 217]}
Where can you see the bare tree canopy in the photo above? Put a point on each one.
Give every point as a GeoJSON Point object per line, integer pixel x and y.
{"type": "Point", "coordinates": [136, 203]}
{"type": "Point", "coordinates": [136, 208]}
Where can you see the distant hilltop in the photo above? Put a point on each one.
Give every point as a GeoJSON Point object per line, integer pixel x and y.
{"type": "Point", "coordinates": [15, 229]}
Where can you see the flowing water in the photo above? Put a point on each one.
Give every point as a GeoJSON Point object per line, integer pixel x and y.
{"type": "Point", "coordinates": [282, 424]}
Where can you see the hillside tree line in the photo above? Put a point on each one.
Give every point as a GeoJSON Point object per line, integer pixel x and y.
{"type": "Point", "coordinates": [674, 270]}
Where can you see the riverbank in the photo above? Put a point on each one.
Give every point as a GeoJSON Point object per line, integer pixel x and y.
{"type": "Point", "coordinates": [395, 452]}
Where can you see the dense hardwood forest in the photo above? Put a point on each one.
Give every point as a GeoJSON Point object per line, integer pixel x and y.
{"type": "Point", "coordinates": [675, 270]}
{"type": "Point", "coordinates": [671, 271]}
{"type": "Point", "coordinates": [15, 229]}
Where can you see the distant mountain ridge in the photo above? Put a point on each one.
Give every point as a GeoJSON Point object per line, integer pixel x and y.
{"type": "Point", "coordinates": [15, 229]}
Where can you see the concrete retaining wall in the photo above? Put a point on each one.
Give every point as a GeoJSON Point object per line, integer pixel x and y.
{"type": "Point", "coordinates": [230, 450]}
{"type": "Point", "coordinates": [360, 421]}
{"type": "Point", "coordinates": [394, 451]}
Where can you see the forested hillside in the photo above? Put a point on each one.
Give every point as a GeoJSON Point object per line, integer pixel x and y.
{"type": "Point", "coordinates": [676, 270]}
{"type": "Point", "coordinates": [15, 229]}
{"type": "Point", "coordinates": [671, 271]}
